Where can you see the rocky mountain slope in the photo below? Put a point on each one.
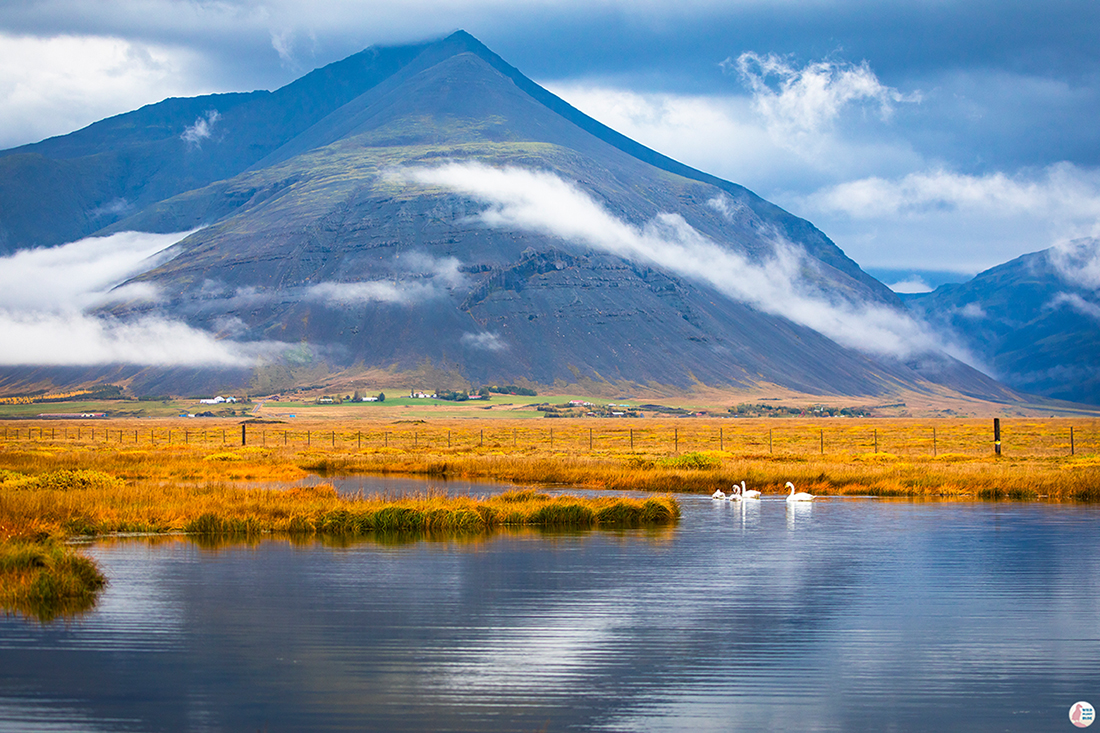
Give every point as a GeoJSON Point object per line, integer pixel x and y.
{"type": "Point", "coordinates": [430, 202]}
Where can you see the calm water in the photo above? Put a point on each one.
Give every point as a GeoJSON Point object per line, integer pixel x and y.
{"type": "Point", "coordinates": [847, 615]}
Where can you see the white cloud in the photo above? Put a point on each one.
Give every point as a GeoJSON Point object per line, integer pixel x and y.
{"type": "Point", "coordinates": [521, 199]}
{"type": "Point", "coordinates": [1061, 190]}
{"type": "Point", "coordinates": [958, 221]}
{"type": "Point", "coordinates": [973, 311]}
{"type": "Point", "coordinates": [799, 103]}
{"type": "Point", "coordinates": [78, 339]}
{"type": "Point", "coordinates": [425, 278]}
{"type": "Point", "coordinates": [52, 86]}
{"type": "Point", "coordinates": [1078, 261]}
{"type": "Point", "coordinates": [80, 274]}
{"type": "Point", "coordinates": [201, 130]}
{"type": "Point", "coordinates": [46, 295]}
{"type": "Point", "coordinates": [723, 135]}
{"type": "Point", "coordinates": [912, 285]}
{"type": "Point", "coordinates": [1077, 303]}
{"type": "Point", "coordinates": [374, 291]}
{"type": "Point", "coordinates": [485, 341]}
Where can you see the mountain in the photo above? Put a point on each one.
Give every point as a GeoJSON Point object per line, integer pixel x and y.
{"type": "Point", "coordinates": [1035, 320]}
{"type": "Point", "coordinates": [430, 203]}
{"type": "Point", "coordinates": [68, 187]}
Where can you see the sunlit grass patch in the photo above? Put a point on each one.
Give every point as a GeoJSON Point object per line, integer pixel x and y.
{"type": "Point", "coordinates": [227, 456]}
{"type": "Point", "coordinates": [47, 580]}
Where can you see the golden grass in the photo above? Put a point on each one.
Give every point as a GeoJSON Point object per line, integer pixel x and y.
{"type": "Point", "coordinates": [216, 508]}
{"type": "Point", "coordinates": [44, 580]}
{"type": "Point", "coordinates": [930, 458]}
{"type": "Point", "coordinates": [59, 479]}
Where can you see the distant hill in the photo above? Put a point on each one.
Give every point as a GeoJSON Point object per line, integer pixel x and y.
{"type": "Point", "coordinates": [318, 232]}
{"type": "Point", "coordinates": [1035, 320]}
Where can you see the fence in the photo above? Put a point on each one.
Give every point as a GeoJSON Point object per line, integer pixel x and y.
{"type": "Point", "coordinates": [774, 438]}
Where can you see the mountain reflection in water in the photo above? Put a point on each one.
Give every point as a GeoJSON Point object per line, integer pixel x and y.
{"type": "Point", "coordinates": [844, 615]}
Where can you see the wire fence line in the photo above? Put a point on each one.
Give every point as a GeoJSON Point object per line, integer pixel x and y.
{"type": "Point", "coordinates": [939, 438]}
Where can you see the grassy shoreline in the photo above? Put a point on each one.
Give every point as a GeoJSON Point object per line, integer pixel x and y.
{"type": "Point", "coordinates": [57, 482]}
{"type": "Point", "coordinates": [43, 578]}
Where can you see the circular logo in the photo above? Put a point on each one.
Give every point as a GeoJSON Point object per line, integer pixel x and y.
{"type": "Point", "coordinates": [1082, 714]}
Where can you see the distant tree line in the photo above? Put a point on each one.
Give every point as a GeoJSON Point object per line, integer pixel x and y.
{"type": "Point", "coordinates": [761, 410]}
{"type": "Point", "coordinates": [510, 389]}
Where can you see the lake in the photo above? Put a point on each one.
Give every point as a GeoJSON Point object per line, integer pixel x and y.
{"type": "Point", "coordinates": [842, 615]}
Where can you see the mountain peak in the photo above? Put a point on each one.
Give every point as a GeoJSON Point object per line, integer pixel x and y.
{"type": "Point", "coordinates": [431, 202]}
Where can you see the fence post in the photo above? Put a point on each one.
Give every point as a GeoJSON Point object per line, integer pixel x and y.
{"type": "Point", "coordinates": [721, 442]}
{"type": "Point", "coordinates": [876, 440]}
{"type": "Point", "coordinates": [933, 441]}
{"type": "Point", "coordinates": [483, 437]}
{"type": "Point", "coordinates": [997, 435]}
{"type": "Point", "coordinates": [448, 438]}
{"type": "Point", "coordinates": [244, 439]}
{"type": "Point", "coordinates": [359, 440]}
{"type": "Point", "coordinates": [632, 439]}
{"type": "Point", "coordinates": [769, 440]}
{"type": "Point", "coordinates": [822, 441]}
{"type": "Point", "coordinates": [590, 440]}
{"type": "Point", "coordinates": [676, 440]}
{"type": "Point", "coordinates": [333, 438]}
{"type": "Point", "coordinates": [551, 438]}
{"type": "Point", "coordinates": [1071, 440]}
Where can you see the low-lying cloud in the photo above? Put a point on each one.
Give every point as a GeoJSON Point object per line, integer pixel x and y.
{"type": "Point", "coordinates": [912, 285]}
{"type": "Point", "coordinates": [203, 128]}
{"type": "Point", "coordinates": [48, 299]}
{"type": "Point", "coordinates": [80, 339]}
{"type": "Point", "coordinates": [424, 278]}
{"type": "Point", "coordinates": [1078, 262]}
{"type": "Point", "coordinates": [80, 274]}
{"type": "Point", "coordinates": [522, 199]}
{"type": "Point", "coordinates": [484, 341]}
{"type": "Point", "coordinates": [1075, 302]}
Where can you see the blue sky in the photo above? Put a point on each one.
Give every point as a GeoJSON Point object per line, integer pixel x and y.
{"type": "Point", "coordinates": [918, 135]}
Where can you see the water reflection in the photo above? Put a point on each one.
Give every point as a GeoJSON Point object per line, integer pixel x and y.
{"type": "Point", "coordinates": [868, 616]}
{"type": "Point", "coordinates": [798, 513]}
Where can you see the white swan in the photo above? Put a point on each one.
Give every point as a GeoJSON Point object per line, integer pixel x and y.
{"type": "Point", "coordinates": [749, 493]}
{"type": "Point", "coordinates": [736, 495]}
{"type": "Point", "coordinates": [718, 494]}
{"type": "Point", "coordinates": [800, 496]}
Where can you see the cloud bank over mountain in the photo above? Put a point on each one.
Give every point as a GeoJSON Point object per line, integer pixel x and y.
{"type": "Point", "coordinates": [526, 200]}
{"type": "Point", "coordinates": [49, 300]}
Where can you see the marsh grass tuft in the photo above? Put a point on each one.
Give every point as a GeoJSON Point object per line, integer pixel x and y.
{"type": "Point", "coordinates": [47, 580]}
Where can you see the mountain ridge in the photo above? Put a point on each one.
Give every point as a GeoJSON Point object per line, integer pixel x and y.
{"type": "Point", "coordinates": [329, 238]}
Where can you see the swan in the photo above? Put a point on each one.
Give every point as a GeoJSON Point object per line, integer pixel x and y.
{"type": "Point", "coordinates": [749, 493]}
{"type": "Point", "coordinates": [718, 494]}
{"type": "Point", "coordinates": [736, 494]}
{"type": "Point", "coordinates": [800, 496]}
